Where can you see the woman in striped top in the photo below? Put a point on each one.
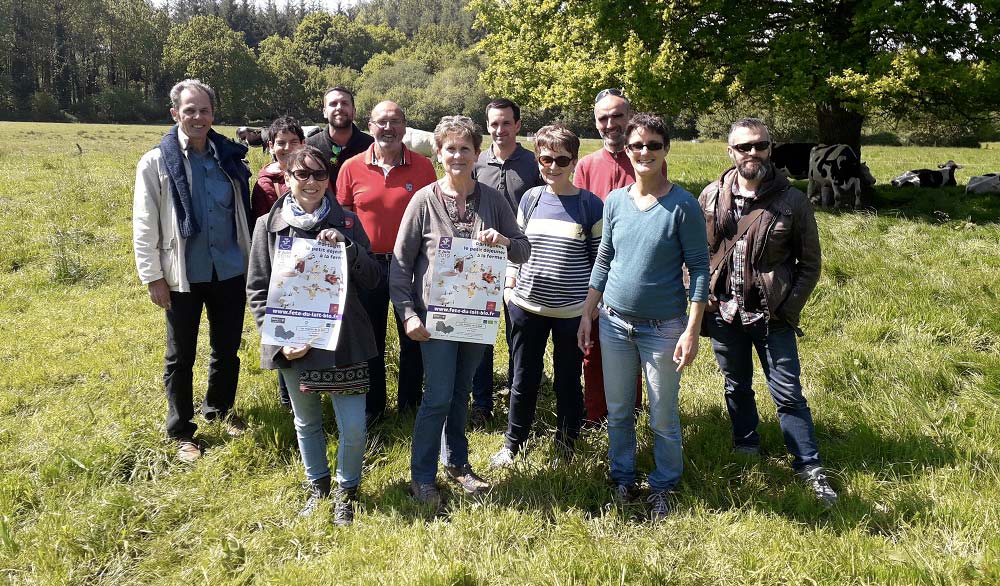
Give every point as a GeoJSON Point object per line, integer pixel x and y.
{"type": "Point", "coordinates": [546, 294]}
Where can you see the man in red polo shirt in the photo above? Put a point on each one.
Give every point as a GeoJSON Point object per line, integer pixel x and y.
{"type": "Point", "coordinates": [601, 172]}
{"type": "Point", "coordinates": [377, 184]}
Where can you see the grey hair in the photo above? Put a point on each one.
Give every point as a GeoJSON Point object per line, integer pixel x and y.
{"type": "Point", "coordinates": [457, 126]}
{"type": "Point", "coordinates": [190, 84]}
{"type": "Point", "coordinates": [752, 124]}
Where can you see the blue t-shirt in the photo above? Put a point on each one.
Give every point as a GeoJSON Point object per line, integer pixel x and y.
{"type": "Point", "coordinates": [639, 261]}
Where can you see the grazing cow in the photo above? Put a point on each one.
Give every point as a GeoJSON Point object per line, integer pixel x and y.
{"type": "Point", "coordinates": [419, 141]}
{"type": "Point", "coordinates": [943, 176]}
{"type": "Point", "coordinates": [791, 159]}
{"type": "Point", "coordinates": [834, 172]}
{"type": "Point", "coordinates": [989, 183]}
{"type": "Point", "coordinates": [257, 137]}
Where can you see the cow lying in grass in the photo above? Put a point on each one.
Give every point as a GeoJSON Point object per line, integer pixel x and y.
{"type": "Point", "coordinates": [943, 176]}
{"type": "Point", "coordinates": [989, 183]}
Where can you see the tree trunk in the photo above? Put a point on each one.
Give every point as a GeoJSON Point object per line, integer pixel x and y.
{"type": "Point", "coordinates": [837, 125]}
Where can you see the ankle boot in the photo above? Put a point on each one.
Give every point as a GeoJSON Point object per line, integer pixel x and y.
{"type": "Point", "coordinates": [320, 489]}
{"type": "Point", "coordinates": [343, 505]}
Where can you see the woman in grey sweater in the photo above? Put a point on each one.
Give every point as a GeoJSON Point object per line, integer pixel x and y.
{"type": "Point", "coordinates": [454, 206]}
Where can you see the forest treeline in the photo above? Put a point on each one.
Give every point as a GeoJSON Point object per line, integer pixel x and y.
{"type": "Point", "coordinates": [115, 61]}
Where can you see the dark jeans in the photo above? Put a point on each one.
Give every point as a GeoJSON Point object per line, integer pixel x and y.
{"type": "Point", "coordinates": [411, 368]}
{"type": "Point", "coordinates": [482, 383]}
{"type": "Point", "coordinates": [779, 358]}
{"type": "Point", "coordinates": [225, 303]}
{"type": "Point", "coordinates": [529, 333]}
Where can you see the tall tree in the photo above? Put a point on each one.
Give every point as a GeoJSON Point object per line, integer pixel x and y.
{"type": "Point", "coordinates": [843, 58]}
{"type": "Point", "coordinates": [207, 49]}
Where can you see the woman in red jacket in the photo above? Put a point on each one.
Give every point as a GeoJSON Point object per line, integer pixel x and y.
{"type": "Point", "coordinates": [284, 137]}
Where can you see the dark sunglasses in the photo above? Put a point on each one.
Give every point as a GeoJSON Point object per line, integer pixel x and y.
{"type": "Point", "coordinates": [649, 146]}
{"type": "Point", "coordinates": [317, 174]}
{"type": "Point", "coordinates": [746, 147]}
{"type": "Point", "coordinates": [562, 161]}
{"type": "Point", "coordinates": [609, 92]}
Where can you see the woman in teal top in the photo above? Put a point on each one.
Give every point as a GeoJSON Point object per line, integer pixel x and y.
{"type": "Point", "coordinates": [651, 229]}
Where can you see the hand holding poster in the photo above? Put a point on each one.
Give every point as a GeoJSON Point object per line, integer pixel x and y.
{"type": "Point", "coordinates": [306, 295]}
{"type": "Point", "coordinates": [466, 291]}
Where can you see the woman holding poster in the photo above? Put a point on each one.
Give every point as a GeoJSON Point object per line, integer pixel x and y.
{"type": "Point", "coordinates": [454, 206]}
{"type": "Point", "coordinates": [309, 211]}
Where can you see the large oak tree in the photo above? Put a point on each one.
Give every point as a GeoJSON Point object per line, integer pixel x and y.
{"type": "Point", "coordinates": [843, 58]}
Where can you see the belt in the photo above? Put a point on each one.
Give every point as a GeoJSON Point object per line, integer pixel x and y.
{"type": "Point", "coordinates": [633, 320]}
{"type": "Point", "coordinates": [383, 256]}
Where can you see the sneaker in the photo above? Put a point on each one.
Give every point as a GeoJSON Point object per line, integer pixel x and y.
{"type": "Point", "coordinates": [234, 425]}
{"type": "Point", "coordinates": [427, 494]}
{"type": "Point", "coordinates": [320, 491]}
{"type": "Point", "coordinates": [479, 418]}
{"type": "Point", "coordinates": [470, 482]}
{"type": "Point", "coordinates": [502, 459]}
{"type": "Point", "coordinates": [626, 493]}
{"type": "Point", "coordinates": [188, 450]}
{"type": "Point", "coordinates": [815, 478]}
{"type": "Point", "coordinates": [659, 505]}
{"type": "Point", "coordinates": [343, 506]}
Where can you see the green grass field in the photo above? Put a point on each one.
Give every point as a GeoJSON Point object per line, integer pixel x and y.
{"type": "Point", "coordinates": [901, 364]}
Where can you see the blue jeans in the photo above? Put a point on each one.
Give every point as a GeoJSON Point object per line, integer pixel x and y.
{"type": "Point", "coordinates": [625, 343]}
{"type": "Point", "coordinates": [308, 411]}
{"type": "Point", "coordinates": [440, 424]}
{"type": "Point", "coordinates": [779, 359]}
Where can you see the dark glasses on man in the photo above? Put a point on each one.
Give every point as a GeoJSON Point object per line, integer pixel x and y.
{"type": "Point", "coordinates": [609, 92]}
{"type": "Point", "coordinates": [562, 161]}
{"type": "Point", "coordinates": [746, 147]}
{"type": "Point", "coordinates": [317, 174]}
{"type": "Point", "coordinates": [649, 146]}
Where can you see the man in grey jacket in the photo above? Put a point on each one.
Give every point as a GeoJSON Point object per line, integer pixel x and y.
{"type": "Point", "coordinates": [191, 238]}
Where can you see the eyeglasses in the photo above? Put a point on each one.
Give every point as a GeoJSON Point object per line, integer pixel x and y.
{"type": "Point", "coordinates": [304, 174]}
{"type": "Point", "coordinates": [609, 92]}
{"type": "Point", "coordinates": [562, 161]}
{"type": "Point", "coordinates": [746, 147]}
{"type": "Point", "coordinates": [649, 146]}
{"type": "Point", "coordinates": [387, 123]}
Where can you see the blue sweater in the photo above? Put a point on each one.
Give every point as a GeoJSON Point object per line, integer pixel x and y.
{"type": "Point", "coordinates": [639, 261]}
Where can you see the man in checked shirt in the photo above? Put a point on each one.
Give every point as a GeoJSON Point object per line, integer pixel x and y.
{"type": "Point", "coordinates": [765, 263]}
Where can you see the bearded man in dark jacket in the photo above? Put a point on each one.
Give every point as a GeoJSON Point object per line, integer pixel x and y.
{"type": "Point", "coordinates": [765, 262]}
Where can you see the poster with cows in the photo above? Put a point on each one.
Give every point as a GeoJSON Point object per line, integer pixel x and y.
{"type": "Point", "coordinates": [306, 296]}
{"type": "Point", "coordinates": [466, 291]}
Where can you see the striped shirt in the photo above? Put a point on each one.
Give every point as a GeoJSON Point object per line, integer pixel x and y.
{"type": "Point", "coordinates": [565, 232]}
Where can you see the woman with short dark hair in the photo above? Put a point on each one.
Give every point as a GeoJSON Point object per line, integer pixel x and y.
{"type": "Point", "coordinates": [652, 229]}
{"type": "Point", "coordinates": [309, 210]}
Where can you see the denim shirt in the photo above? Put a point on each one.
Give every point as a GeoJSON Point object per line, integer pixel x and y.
{"type": "Point", "coordinates": [214, 249]}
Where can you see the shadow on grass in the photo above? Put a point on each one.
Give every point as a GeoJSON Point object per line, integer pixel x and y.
{"type": "Point", "coordinates": [934, 205]}
{"type": "Point", "coordinates": [716, 478]}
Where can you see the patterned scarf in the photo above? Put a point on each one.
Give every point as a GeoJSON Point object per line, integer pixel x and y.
{"type": "Point", "coordinates": [293, 213]}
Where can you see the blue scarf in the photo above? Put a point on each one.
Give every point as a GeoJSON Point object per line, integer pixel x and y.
{"type": "Point", "coordinates": [230, 157]}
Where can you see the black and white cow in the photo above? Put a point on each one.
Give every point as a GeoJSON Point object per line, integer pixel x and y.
{"type": "Point", "coordinates": [257, 137]}
{"type": "Point", "coordinates": [791, 159]}
{"type": "Point", "coordinates": [943, 176]}
{"type": "Point", "coordinates": [989, 183]}
{"type": "Point", "coordinates": [835, 172]}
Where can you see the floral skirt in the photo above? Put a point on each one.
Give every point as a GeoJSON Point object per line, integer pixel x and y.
{"type": "Point", "coordinates": [342, 380]}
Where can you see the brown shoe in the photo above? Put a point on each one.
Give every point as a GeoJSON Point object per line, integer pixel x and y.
{"type": "Point", "coordinates": [234, 425]}
{"type": "Point", "coordinates": [188, 450]}
{"type": "Point", "coordinates": [470, 482]}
